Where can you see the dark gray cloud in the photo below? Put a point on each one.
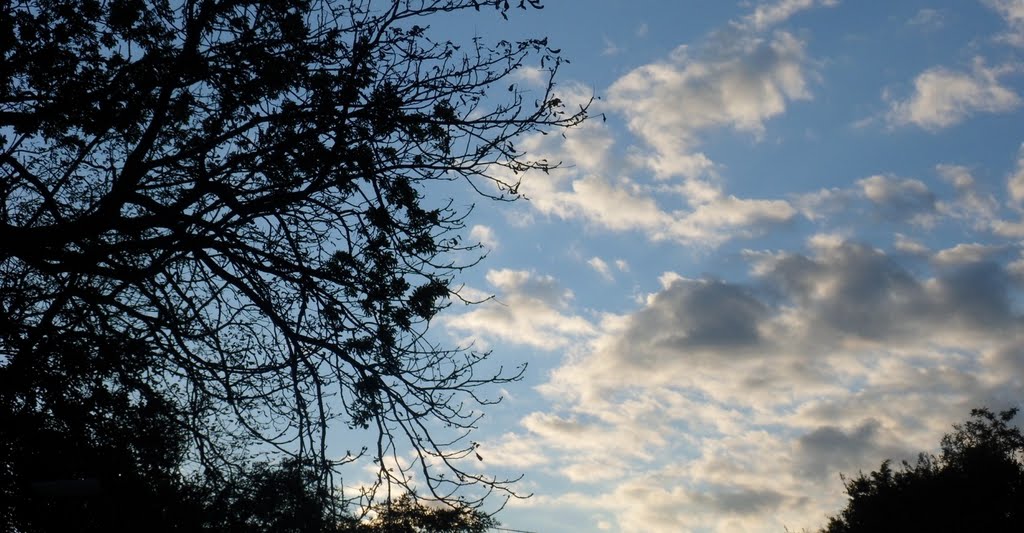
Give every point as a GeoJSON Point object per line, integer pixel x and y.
{"type": "Point", "coordinates": [859, 291]}
{"type": "Point", "coordinates": [830, 448]}
{"type": "Point", "coordinates": [692, 316]}
{"type": "Point", "coordinates": [807, 314]}
{"type": "Point", "coordinates": [740, 500]}
{"type": "Point", "coordinates": [976, 295]}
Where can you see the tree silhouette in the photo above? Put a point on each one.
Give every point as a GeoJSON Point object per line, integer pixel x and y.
{"type": "Point", "coordinates": [87, 445]}
{"type": "Point", "coordinates": [975, 484]}
{"type": "Point", "coordinates": [237, 190]}
{"type": "Point", "coordinates": [405, 515]}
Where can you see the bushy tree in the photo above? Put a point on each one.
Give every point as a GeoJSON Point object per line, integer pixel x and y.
{"type": "Point", "coordinates": [86, 444]}
{"type": "Point", "coordinates": [976, 483]}
{"type": "Point", "coordinates": [237, 190]}
{"type": "Point", "coordinates": [284, 498]}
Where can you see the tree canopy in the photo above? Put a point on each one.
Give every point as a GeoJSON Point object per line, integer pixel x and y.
{"type": "Point", "coordinates": [976, 483]}
{"type": "Point", "coordinates": [216, 211]}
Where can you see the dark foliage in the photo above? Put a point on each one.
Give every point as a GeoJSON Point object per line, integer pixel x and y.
{"type": "Point", "coordinates": [284, 498]}
{"type": "Point", "coordinates": [975, 484]}
{"type": "Point", "coordinates": [87, 445]}
{"type": "Point", "coordinates": [106, 452]}
{"type": "Point", "coordinates": [404, 515]}
{"type": "Point", "coordinates": [213, 222]}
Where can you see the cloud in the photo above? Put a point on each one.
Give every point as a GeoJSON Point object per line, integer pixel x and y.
{"type": "Point", "coordinates": [909, 246]}
{"type": "Point", "coordinates": [1012, 12]}
{"type": "Point", "coordinates": [531, 75]}
{"type": "Point", "coordinates": [900, 199]}
{"type": "Point", "coordinates": [943, 97]}
{"type": "Point", "coordinates": [529, 309]}
{"type": "Point", "coordinates": [738, 85]}
{"type": "Point", "coordinates": [732, 406]}
{"type": "Point", "coordinates": [601, 268]}
{"type": "Point", "coordinates": [971, 203]}
{"type": "Point", "coordinates": [967, 253]}
{"type": "Point", "coordinates": [1015, 182]}
{"type": "Point", "coordinates": [907, 200]}
{"type": "Point", "coordinates": [660, 185]}
{"type": "Point", "coordinates": [986, 206]}
{"type": "Point", "coordinates": [928, 19]}
{"type": "Point", "coordinates": [484, 235]}
{"type": "Point", "coordinates": [624, 204]}
{"type": "Point", "coordinates": [610, 48]}
{"type": "Point", "coordinates": [771, 14]}
{"type": "Point", "coordinates": [829, 449]}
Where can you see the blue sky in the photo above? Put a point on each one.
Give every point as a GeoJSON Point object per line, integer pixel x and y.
{"type": "Point", "coordinates": [793, 249]}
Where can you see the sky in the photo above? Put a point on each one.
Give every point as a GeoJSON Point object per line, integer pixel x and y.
{"type": "Point", "coordinates": [791, 248]}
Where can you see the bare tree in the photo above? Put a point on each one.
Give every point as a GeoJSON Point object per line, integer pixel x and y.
{"type": "Point", "coordinates": [239, 186]}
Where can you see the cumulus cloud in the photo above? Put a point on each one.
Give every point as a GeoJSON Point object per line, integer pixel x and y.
{"type": "Point", "coordinates": [601, 267]}
{"type": "Point", "coordinates": [990, 219]}
{"type": "Point", "coordinates": [829, 449]}
{"type": "Point", "coordinates": [660, 184]}
{"type": "Point", "coordinates": [1015, 182]}
{"type": "Point", "coordinates": [769, 14]}
{"type": "Point", "coordinates": [1012, 12]}
{"type": "Point", "coordinates": [739, 86]}
{"type": "Point", "coordinates": [943, 97]}
{"type": "Point", "coordinates": [907, 245]}
{"type": "Point", "coordinates": [912, 200]}
{"type": "Point", "coordinates": [529, 309]}
{"type": "Point", "coordinates": [585, 192]}
{"type": "Point", "coordinates": [971, 203]}
{"type": "Point", "coordinates": [802, 365]}
{"type": "Point", "coordinates": [900, 199]}
{"type": "Point", "coordinates": [967, 253]}
{"type": "Point", "coordinates": [484, 235]}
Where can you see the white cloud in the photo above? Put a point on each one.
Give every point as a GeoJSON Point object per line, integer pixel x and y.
{"type": "Point", "coordinates": [1013, 229]}
{"type": "Point", "coordinates": [1008, 228]}
{"type": "Point", "coordinates": [709, 222]}
{"type": "Point", "coordinates": [1015, 183]}
{"type": "Point", "coordinates": [966, 253]}
{"type": "Point", "coordinates": [771, 14]}
{"type": "Point", "coordinates": [601, 267]}
{"type": "Point", "coordinates": [484, 235]}
{"type": "Point", "coordinates": [1012, 12]}
{"type": "Point", "coordinates": [944, 97]}
{"type": "Point", "coordinates": [735, 83]}
{"type": "Point", "coordinates": [531, 75]}
{"type": "Point", "coordinates": [971, 203]}
{"type": "Point", "coordinates": [529, 309]}
{"type": "Point", "coordinates": [738, 85]}
{"type": "Point", "coordinates": [910, 246]}
{"type": "Point", "coordinates": [816, 205]}
{"type": "Point", "coordinates": [622, 265]}
{"type": "Point", "coordinates": [625, 205]}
